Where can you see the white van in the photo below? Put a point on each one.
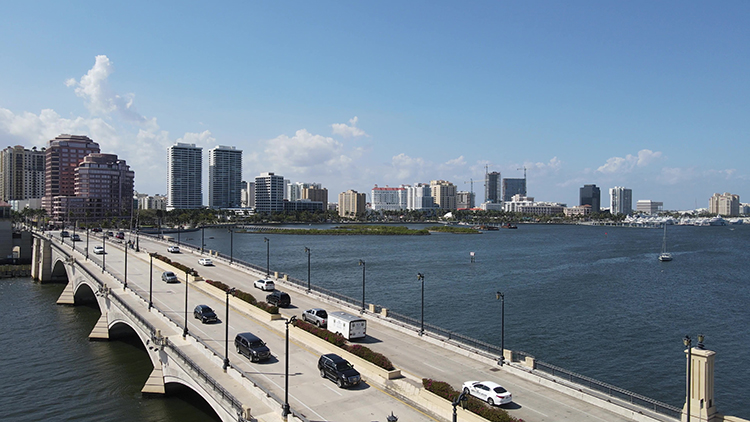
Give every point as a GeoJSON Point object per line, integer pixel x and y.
{"type": "Point", "coordinates": [347, 325]}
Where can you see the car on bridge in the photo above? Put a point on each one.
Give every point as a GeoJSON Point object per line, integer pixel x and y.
{"type": "Point", "coordinates": [173, 249]}
{"type": "Point", "coordinates": [75, 238]}
{"type": "Point", "coordinates": [316, 316]}
{"type": "Point", "coordinates": [265, 285]}
{"type": "Point", "coordinates": [120, 235]}
{"type": "Point", "coordinates": [338, 370]}
{"type": "Point", "coordinates": [205, 314]}
{"type": "Point", "coordinates": [97, 230]}
{"type": "Point", "coordinates": [169, 277]}
{"type": "Point", "coordinates": [64, 233]}
{"type": "Point", "coordinates": [252, 346]}
{"type": "Point", "coordinates": [491, 392]}
{"type": "Point", "coordinates": [279, 298]}
{"type": "Point", "coordinates": [99, 250]}
{"type": "Point", "coordinates": [206, 262]}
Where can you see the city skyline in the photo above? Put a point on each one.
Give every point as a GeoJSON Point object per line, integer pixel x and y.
{"type": "Point", "coordinates": [647, 96]}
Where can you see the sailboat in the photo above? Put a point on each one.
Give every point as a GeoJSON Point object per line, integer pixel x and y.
{"type": "Point", "coordinates": [665, 256]}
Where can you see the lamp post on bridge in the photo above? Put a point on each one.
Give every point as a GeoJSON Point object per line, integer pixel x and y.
{"type": "Point", "coordinates": [150, 280]}
{"type": "Point", "coordinates": [461, 399]}
{"type": "Point", "coordinates": [501, 297]}
{"type": "Point", "coordinates": [87, 241]}
{"type": "Point", "coordinates": [125, 285]}
{"type": "Point", "coordinates": [688, 342]}
{"type": "Point", "coordinates": [268, 256]}
{"type": "Point", "coordinates": [307, 250]}
{"type": "Point", "coordinates": [420, 277]}
{"type": "Point", "coordinates": [203, 237]}
{"type": "Point", "coordinates": [363, 265]}
{"type": "Point", "coordinates": [185, 330]}
{"type": "Point", "coordinates": [285, 408]}
{"type": "Point", "coordinates": [104, 252]}
{"type": "Point", "coordinates": [226, 330]}
{"type": "Point", "coordinates": [231, 245]}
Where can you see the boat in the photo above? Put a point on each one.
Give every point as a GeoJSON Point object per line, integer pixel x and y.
{"type": "Point", "coordinates": [508, 226]}
{"type": "Point", "coordinates": [665, 256]}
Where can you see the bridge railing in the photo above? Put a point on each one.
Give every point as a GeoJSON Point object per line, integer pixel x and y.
{"type": "Point", "coordinates": [490, 349]}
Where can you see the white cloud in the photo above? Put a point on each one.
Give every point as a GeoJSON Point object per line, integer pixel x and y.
{"type": "Point", "coordinates": [100, 100]}
{"type": "Point", "coordinates": [675, 175]}
{"type": "Point", "coordinates": [302, 152]}
{"type": "Point", "coordinates": [629, 162]}
{"type": "Point", "coordinates": [406, 168]}
{"type": "Point", "coordinates": [348, 131]}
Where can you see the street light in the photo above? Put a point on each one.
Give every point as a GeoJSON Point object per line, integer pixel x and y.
{"type": "Point", "coordinates": [125, 285]}
{"type": "Point", "coordinates": [203, 237]}
{"type": "Point", "coordinates": [151, 280]}
{"type": "Point", "coordinates": [87, 242]}
{"type": "Point", "coordinates": [500, 296]}
{"type": "Point", "coordinates": [185, 330]}
{"type": "Point", "coordinates": [226, 330]}
{"type": "Point", "coordinates": [285, 408]}
{"type": "Point", "coordinates": [268, 256]}
{"type": "Point", "coordinates": [231, 246]}
{"type": "Point", "coordinates": [308, 268]}
{"type": "Point", "coordinates": [104, 253]}
{"type": "Point", "coordinates": [420, 277]}
{"type": "Point", "coordinates": [461, 399]}
{"type": "Point", "coordinates": [363, 265]}
{"type": "Point", "coordinates": [688, 342]}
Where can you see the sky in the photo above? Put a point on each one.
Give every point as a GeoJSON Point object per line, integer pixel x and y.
{"type": "Point", "coordinates": [653, 96]}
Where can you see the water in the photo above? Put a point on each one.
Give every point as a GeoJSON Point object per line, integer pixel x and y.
{"type": "Point", "coordinates": [593, 300]}
{"type": "Point", "coordinates": [51, 371]}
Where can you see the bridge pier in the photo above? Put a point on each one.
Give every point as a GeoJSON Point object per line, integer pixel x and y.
{"type": "Point", "coordinates": [155, 382]}
{"type": "Point", "coordinates": [41, 260]}
{"type": "Point", "coordinates": [101, 329]}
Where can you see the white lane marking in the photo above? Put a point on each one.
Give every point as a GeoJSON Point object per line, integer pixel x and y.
{"type": "Point", "coordinates": [434, 367]}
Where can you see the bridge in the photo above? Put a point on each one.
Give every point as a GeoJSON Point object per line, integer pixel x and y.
{"type": "Point", "coordinates": [126, 286]}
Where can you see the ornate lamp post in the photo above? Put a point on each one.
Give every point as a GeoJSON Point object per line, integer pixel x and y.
{"type": "Point", "coordinates": [285, 408]}
{"type": "Point", "coordinates": [461, 399]}
{"type": "Point", "coordinates": [104, 253]}
{"type": "Point", "coordinates": [203, 237]}
{"type": "Point", "coordinates": [125, 285]}
{"type": "Point", "coordinates": [87, 242]}
{"type": "Point", "coordinates": [420, 277]}
{"type": "Point", "coordinates": [501, 297]}
{"type": "Point", "coordinates": [688, 342]}
{"type": "Point", "coordinates": [151, 280]}
{"type": "Point", "coordinates": [231, 246]}
{"type": "Point", "coordinates": [226, 330]}
{"type": "Point", "coordinates": [185, 330]}
{"type": "Point", "coordinates": [268, 256]}
{"type": "Point", "coordinates": [363, 265]}
{"type": "Point", "coordinates": [307, 250]}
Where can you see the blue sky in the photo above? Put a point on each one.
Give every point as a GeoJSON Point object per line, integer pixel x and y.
{"type": "Point", "coordinates": [653, 96]}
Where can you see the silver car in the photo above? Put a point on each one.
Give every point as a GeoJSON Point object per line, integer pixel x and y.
{"type": "Point", "coordinates": [169, 277]}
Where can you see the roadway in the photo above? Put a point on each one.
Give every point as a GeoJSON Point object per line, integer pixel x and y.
{"type": "Point", "coordinates": [310, 395]}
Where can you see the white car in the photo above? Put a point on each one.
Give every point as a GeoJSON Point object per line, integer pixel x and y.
{"type": "Point", "coordinates": [99, 250]}
{"type": "Point", "coordinates": [205, 261]}
{"type": "Point", "coordinates": [264, 285]}
{"type": "Point", "coordinates": [491, 392]}
{"type": "Point", "coordinates": [173, 249]}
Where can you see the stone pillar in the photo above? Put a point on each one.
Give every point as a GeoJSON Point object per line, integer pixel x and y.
{"type": "Point", "coordinates": [702, 405]}
{"type": "Point", "coordinates": [41, 260]}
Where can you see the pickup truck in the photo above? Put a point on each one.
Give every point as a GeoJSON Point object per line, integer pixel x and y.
{"type": "Point", "coordinates": [316, 316]}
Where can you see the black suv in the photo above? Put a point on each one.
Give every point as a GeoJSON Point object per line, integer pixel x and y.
{"type": "Point", "coordinates": [205, 314]}
{"type": "Point", "coordinates": [279, 299]}
{"type": "Point", "coordinates": [338, 370]}
{"type": "Point", "coordinates": [250, 345]}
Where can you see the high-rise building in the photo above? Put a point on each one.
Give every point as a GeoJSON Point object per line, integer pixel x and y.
{"type": "Point", "coordinates": [224, 177]}
{"type": "Point", "coordinates": [103, 188]}
{"type": "Point", "coordinates": [590, 195]}
{"type": "Point", "coordinates": [248, 194]}
{"type": "Point", "coordinates": [725, 204]}
{"type": "Point", "coordinates": [620, 200]}
{"type": "Point", "coordinates": [62, 156]}
{"type": "Point", "coordinates": [184, 176]}
{"type": "Point", "coordinates": [294, 190]}
{"type": "Point", "coordinates": [492, 191]}
{"type": "Point", "coordinates": [464, 200]}
{"type": "Point", "coordinates": [352, 203]}
{"type": "Point", "coordinates": [317, 194]}
{"type": "Point", "coordinates": [269, 193]}
{"type": "Point", "coordinates": [444, 194]}
{"type": "Point", "coordinates": [513, 187]}
{"type": "Point", "coordinates": [388, 199]}
{"type": "Point", "coordinates": [21, 173]}
{"type": "Point", "coordinates": [419, 197]}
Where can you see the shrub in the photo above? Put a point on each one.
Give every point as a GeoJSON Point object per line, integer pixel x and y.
{"type": "Point", "coordinates": [492, 414]}
{"type": "Point", "coordinates": [333, 338]}
{"type": "Point", "coordinates": [246, 297]}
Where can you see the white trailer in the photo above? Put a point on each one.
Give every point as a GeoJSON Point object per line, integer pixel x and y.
{"type": "Point", "coordinates": [347, 325]}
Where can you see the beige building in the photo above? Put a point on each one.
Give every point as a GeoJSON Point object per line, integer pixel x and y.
{"type": "Point", "coordinates": [352, 203]}
{"type": "Point", "coordinates": [444, 194]}
{"type": "Point", "coordinates": [724, 204]}
{"type": "Point", "coordinates": [316, 194]}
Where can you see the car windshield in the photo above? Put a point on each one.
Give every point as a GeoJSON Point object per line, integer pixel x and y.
{"type": "Point", "coordinates": [257, 343]}
{"type": "Point", "coordinates": [500, 390]}
{"type": "Point", "coordinates": [343, 366]}
{"type": "Point", "coordinates": [169, 274]}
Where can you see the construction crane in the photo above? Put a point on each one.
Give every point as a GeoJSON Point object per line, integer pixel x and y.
{"type": "Point", "coordinates": [524, 171]}
{"type": "Point", "coordinates": [471, 199]}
